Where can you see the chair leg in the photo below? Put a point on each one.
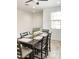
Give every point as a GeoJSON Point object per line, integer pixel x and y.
{"type": "Point", "coordinates": [30, 56]}
{"type": "Point", "coordinates": [47, 48]}
{"type": "Point", "coordinates": [41, 50]}
{"type": "Point", "coordinates": [45, 52]}
{"type": "Point", "coordinates": [49, 44]}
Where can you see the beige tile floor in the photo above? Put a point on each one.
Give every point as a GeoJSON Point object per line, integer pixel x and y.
{"type": "Point", "coordinates": [55, 50]}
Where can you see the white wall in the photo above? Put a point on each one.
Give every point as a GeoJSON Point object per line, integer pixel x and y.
{"type": "Point", "coordinates": [27, 20]}
{"type": "Point", "coordinates": [37, 20]}
{"type": "Point", "coordinates": [24, 21]}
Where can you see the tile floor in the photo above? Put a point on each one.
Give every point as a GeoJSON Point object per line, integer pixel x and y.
{"type": "Point", "coordinates": [55, 50]}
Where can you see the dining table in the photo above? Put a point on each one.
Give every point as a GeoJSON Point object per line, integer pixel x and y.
{"type": "Point", "coordinates": [31, 42]}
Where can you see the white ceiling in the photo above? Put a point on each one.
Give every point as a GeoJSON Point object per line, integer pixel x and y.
{"type": "Point", "coordinates": [40, 7]}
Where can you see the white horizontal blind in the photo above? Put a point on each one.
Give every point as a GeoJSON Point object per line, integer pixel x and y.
{"type": "Point", "coordinates": [56, 20]}
{"type": "Point", "coordinates": [56, 16]}
{"type": "Point", "coordinates": [55, 24]}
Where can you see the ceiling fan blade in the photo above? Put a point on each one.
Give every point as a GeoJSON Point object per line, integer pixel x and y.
{"type": "Point", "coordinates": [28, 1]}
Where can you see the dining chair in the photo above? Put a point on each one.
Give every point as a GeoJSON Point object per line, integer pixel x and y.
{"type": "Point", "coordinates": [45, 30]}
{"type": "Point", "coordinates": [49, 41]}
{"type": "Point", "coordinates": [23, 34]}
{"type": "Point", "coordinates": [23, 52]}
{"type": "Point", "coordinates": [49, 38]}
{"type": "Point", "coordinates": [42, 48]}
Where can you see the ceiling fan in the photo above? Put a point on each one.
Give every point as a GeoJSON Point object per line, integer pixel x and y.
{"type": "Point", "coordinates": [36, 1]}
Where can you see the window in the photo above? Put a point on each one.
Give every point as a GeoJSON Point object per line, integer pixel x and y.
{"type": "Point", "coordinates": [56, 20]}
{"type": "Point", "coordinates": [56, 16]}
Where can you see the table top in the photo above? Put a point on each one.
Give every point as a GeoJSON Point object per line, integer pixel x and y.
{"type": "Point", "coordinates": [44, 34]}
{"type": "Point", "coordinates": [33, 41]}
{"type": "Point", "coordinates": [38, 37]}
{"type": "Point", "coordinates": [29, 41]}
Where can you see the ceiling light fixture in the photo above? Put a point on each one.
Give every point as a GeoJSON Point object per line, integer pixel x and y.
{"type": "Point", "coordinates": [33, 6]}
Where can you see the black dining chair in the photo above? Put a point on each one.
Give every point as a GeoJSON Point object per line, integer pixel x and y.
{"type": "Point", "coordinates": [42, 48]}
{"type": "Point", "coordinates": [23, 34]}
{"type": "Point", "coordinates": [49, 38]}
{"type": "Point", "coordinates": [49, 41]}
{"type": "Point", "coordinates": [45, 30]}
{"type": "Point", "coordinates": [23, 52]}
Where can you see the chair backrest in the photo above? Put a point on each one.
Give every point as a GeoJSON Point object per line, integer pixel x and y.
{"type": "Point", "coordinates": [35, 29]}
{"type": "Point", "coordinates": [19, 51]}
{"type": "Point", "coordinates": [45, 30]}
{"type": "Point", "coordinates": [45, 40]}
{"type": "Point", "coordinates": [23, 34]}
{"type": "Point", "coordinates": [49, 35]}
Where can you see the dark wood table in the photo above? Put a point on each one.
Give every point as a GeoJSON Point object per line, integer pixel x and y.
{"type": "Point", "coordinates": [32, 42]}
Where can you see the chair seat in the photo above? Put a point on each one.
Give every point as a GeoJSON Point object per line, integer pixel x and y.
{"type": "Point", "coordinates": [25, 52]}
